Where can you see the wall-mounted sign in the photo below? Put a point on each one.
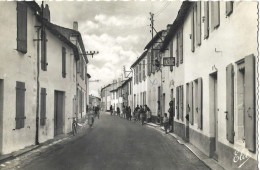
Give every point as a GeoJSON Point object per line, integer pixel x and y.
{"type": "Point", "coordinates": [169, 61]}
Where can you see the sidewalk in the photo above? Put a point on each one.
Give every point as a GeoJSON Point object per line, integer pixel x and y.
{"type": "Point", "coordinates": [50, 142]}
{"type": "Point", "coordinates": [211, 163]}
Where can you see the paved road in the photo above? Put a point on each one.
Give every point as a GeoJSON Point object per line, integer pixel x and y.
{"type": "Point", "coordinates": [117, 144]}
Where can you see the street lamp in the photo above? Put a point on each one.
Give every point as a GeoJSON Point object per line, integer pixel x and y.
{"type": "Point", "coordinates": [92, 53]}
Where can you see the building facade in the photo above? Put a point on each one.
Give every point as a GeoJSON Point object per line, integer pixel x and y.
{"type": "Point", "coordinates": [213, 82]}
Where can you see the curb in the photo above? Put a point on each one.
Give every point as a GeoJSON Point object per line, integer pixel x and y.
{"type": "Point", "coordinates": [209, 162]}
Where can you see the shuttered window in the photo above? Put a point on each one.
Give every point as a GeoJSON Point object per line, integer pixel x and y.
{"type": "Point", "coordinates": [22, 27]}
{"type": "Point", "coordinates": [198, 23]}
{"type": "Point", "coordinates": [229, 8]}
{"type": "Point", "coordinates": [20, 105]}
{"type": "Point", "coordinates": [192, 31]}
{"type": "Point", "coordinates": [250, 109]}
{"type": "Point", "coordinates": [191, 116]}
{"type": "Point", "coordinates": [230, 103]}
{"type": "Point", "coordinates": [177, 48]}
{"type": "Point", "coordinates": [63, 62]}
{"type": "Point", "coordinates": [140, 71]}
{"type": "Point", "coordinates": [43, 107]}
{"type": "Point", "coordinates": [199, 106]}
{"type": "Point", "coordinates": [206, 21]}
{"type": "Point", "coordinates": [78, 65]}
{"type": "Point", "coordinates": [171, 53]}
{"type": "Point", "coordinates": [82, 95]}
{"type": "Point", "coordinates": [152, 63]}
{"type": "Point", "coordinates": [144, 70]}
{"type": "Point", "coordinates": [180, 45]}
{"type": "Point", "coordinates": [215, 14]}
{"type": "Point", "coordinates": [137, 74]}
{"type": "Point", "coordinates": [43, 50]}
{"type": "Point", "coordinates": [149, 64]}
{"type": "Point", "coordinates": [181, 102]}
{"type": "Point", "coordinates": [177, 101]}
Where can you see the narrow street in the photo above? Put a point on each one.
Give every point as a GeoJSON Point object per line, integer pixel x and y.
{"type": "Point", "coordinates": [115, 143]}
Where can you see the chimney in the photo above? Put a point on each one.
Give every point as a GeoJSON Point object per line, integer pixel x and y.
{"type": "Point", "coordinates": [75, 25]}
{"type": "Point", "coordinates": [168, 27]}
{"type": "Point", "coordinates": [46, 13]}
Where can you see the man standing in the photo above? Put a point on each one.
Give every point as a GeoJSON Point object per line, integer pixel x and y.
{"type": "Point", "coordinates": [111, 110]}
{"type": "Point", "coordinates": [171, 113]}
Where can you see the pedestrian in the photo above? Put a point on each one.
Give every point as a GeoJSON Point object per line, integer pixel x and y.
{"type": "Point", "coordinates": [124, 112]}
{"type": "Point", "coordinates": [142, 115]}
{"type": "Point", "coordinates": [149, 114]}
{"type": "Point", "coordinates": [118, 111]}
{"type": "Point", "coordinates": [111, 110]}
{"type": "Point", "coordinates": [171, 115]}
{"type": "Point", "coordinates": [165, 122]}
{"type": "Point", "coordinates": [129, 112]}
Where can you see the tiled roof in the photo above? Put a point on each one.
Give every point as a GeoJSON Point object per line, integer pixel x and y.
{"type": "Point", "coordinates": [139, 59]}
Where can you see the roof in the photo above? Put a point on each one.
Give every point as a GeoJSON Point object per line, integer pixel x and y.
{"type": "Point", "coordinates": [176, 24]}
{"type": "Point", "coordinates": [34, 5]}
{"type": "Point", "coordinates": [55, 32]}
{"type": "Point", "coordinates": [139, 59]}
{"type": "Point", "coordinates": [155, 38]}
{"type": "Point", "coordinates": [127, 81]}
{"type": "Point", "coordinates": [67, 32]}
{"type": "Point", "coordinates": [105, 87]}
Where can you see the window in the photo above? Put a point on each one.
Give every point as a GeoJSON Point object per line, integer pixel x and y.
{"type": "Point", "coordinates": [229, 8]}
{"type": "Point", "coordinates": [137, 80]}
{"type": "Point", "coordinates": [140, 72]}
{"type": "Point", "coordinates": [20, 105]}
{"type": "Point", "coordinates": [149, 63]}
{"type": "Point", "coordinates": [43, 107]}
{"type": "Point", "coordinates": [215, 14]}
{"type": "Point", "coordinates": [144, 98]}
{"type": "Point", "coordinates": [82, 102]}
{"type": "Point", "coordinates": [179, 47]}
{"type": "Point", "coordinates": [192, 31]}
{"type": "Point", "coordinates": [22, 27]}
{"type": "Point", "coordinates": [144, 70]}
{"type": "Point", "coordinates": [63, 62]}
{"type": "Point", "coordinates": [171, 53]}
{"type": "Point", "coordinates": [43, 50]}
{"type": "Point", "coordinates": [152, 59]}
{"type": "Point", "coordinates": [198, 23]}
{"type": "Point", "coordinates": [179, 100]}
{"type": "Point", "coordinates": [206, 20]}
{"type": "Point", "coordinates": [198, 102]}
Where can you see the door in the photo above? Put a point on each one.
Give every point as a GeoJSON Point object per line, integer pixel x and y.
{"type": "Point", "coordinates": [58, 112]}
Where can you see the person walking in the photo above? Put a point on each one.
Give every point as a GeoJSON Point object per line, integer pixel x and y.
{"type": "Point", "coordinates": [171, 115]}
{"type": "Point", "coordinates": [149, 114]}
{"type": "Point", "coordinates": [142, 115]}
{"type": "Point", "coordinates": [118, 111]}
{"type": "Point", "coordinates": [165, 122]}
{"type": "Point", "coordinates": [129, 112]}
{"type": "Point", "coordinates": [111, 110]}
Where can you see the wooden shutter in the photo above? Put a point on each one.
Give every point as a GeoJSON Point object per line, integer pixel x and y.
{"type": "Point", "coordinates": [187, 99]}
{"type": "Point", "coordinates": [20, 104]}
{"type": "Point", "coordinates": [177, 101]}
{"type": "Point", "coordinates": [22, 27]}
{"type": "Point", "coordinates": [215, 14]}
{"type": "Point", "coordinates": [148, 63]}
{"type": "Point", "coordinates": [43, 107]}
{"type": "Point", "coordinates": [250, 117]}
{"type": "Point", "coordinates": [198, 23]}
{"type": "Point", "coordinates": [140, 71]}
{"type": "Point", "coordinates": [200, 94]}
{"type": "Point", "coordinates": [229, 7]}
{"type": "Point", "coordinates": [137, 74]}
{"type": "Point", "coordinates": [180, 50]}
{"type": "Point", "coordinates": [230, 103]}
{"type": "Point", "coordinates": [177, 49]}
{"type": "Point", "coordinates": [63, 62]}
{"type": "Point", "coordinates": [206, 21]}
{"type": "Point", "coordinates": [192, 31]}
{"type": "Point", "coordinates": [43, 50]}
{"type": "Point", "coordinates": [191, 116]}
{"type": "Point", "coordinates": [181, 102]}
{"type": "Point", "coordinates": [78, 66]}
{"type": "Point", "coordinates": [171, 53]}
{"type": "Point", "coordinates": [144, 70]}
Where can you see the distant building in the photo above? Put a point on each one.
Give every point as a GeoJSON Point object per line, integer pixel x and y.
{"type": "Point", "coordinates": [94, 101]}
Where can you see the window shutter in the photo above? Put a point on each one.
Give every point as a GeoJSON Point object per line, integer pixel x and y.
{"type": "Point", "coordinates": [229, 7]}
{"type": "Point", "coordinates": [153, 58]}
{"type": "Point", "coordinates": [43, 107]}
{"type": "Point", "coordinates": [140, 71]}
{"type": "Point", "coordinates": [22, 27]}
{"type": "Point", "coordinates": [144, 70]}
{"type": "Point", "coordinates": [78, 66]}
{"type": "Point", "coordinates": [198, 23]}
{"type": "Point", "coordinates": [43, 50]}
{"type": "Point", "coordinates": [191, 116]}
{"type": "Point", "coordinates": [230, 103]}
{"type": "Point", "coordinates": [200, 103]}
{"type": "Point", "coordinates": [177, 100]}
{"type": "Point", "coordinates": [215, 14]}
{"type": "Point", "coordinates": [192, 31]}
{"type": "Point", "coordinates": [177, 50]}
{"type": "Point", "coordinates": [180, 50]}
{"type": "Point", "coordinates": [250, 117]}
{"type": "Point", "coordinates": [20, 102]}
{"type": "Point", "coordinates": [137, 80]}
{"type": "Point", "coordinates": [63, 62]}
{"type": "Point", "coordinates": [171, 53]}
{"type": "Point", "coordinates": [181, 102]}
{"type": "Point", "coordinates": [149, 64]}
{"type": "Point", "coordinates": [206, 22]}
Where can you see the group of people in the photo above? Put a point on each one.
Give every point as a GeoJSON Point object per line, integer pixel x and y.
{"type": "Point", "coordinates": [142, 113]}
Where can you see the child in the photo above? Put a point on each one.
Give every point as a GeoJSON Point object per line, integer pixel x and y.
{"type": "Point", "coordinates": [165, 122]}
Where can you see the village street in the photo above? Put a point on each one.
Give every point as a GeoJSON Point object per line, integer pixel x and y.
{"type": "Point", "coordinates": [113, 144]}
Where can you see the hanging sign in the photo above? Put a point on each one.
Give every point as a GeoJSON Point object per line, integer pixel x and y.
{"type": "Point", "coordinates": [169, 61]}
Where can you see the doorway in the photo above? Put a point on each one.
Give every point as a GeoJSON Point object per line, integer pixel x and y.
{"type": "Point", "coordinates": [58, 112]}
{"type": "Point", "coordinates": [214, 110]}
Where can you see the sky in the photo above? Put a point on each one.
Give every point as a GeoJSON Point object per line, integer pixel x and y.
{"type": "Point", "coordinates": [119, 30]}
